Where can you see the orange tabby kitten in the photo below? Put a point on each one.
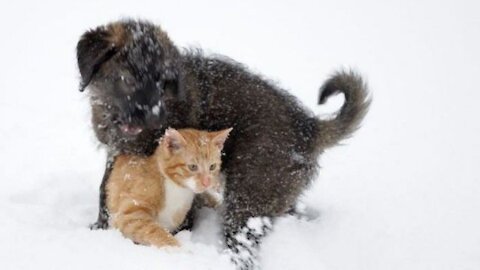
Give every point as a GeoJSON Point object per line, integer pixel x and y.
{"type": "Point", "coordinates": [148, 197]}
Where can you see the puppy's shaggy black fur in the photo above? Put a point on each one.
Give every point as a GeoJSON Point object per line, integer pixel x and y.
{"type": "Point", "coordinates": [140, 84]}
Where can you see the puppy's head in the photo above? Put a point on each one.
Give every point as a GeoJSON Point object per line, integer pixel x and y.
{"type": "Point", "coordinates": [129, 66]}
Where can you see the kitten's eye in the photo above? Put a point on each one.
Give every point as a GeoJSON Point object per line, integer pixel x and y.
{"type": "Point", "coordinates": [213, 166]}
{"type": "Point", "coordinates": [192, 167]}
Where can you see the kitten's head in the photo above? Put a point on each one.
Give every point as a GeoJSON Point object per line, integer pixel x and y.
{"type": "Point", "coordinates": [192, 158]}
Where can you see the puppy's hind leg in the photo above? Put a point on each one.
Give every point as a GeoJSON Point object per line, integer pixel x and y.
{"type": "Point", "coordinates": [243, 233]}
{"type": "Point", "coordinates": [257, 191]}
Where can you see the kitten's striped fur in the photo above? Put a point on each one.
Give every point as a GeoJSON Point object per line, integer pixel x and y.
{"type": "Point", "coordinates": [149, 197]}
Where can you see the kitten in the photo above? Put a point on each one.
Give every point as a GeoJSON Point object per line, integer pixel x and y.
{"type": "Point", "coordinates": [149, 197]}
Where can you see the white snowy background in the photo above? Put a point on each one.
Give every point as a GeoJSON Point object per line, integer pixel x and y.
{"type": "Point", "coordinates": [404, 193]}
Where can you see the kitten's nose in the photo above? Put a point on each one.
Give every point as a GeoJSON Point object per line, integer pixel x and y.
{"type": "Point", "coordinates": [206, 181]}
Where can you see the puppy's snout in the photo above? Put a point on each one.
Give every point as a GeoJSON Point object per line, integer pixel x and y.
{"type": "Point", "coordinates": [156, 116]}
{"type": "Point", "coordinates": [132, 122]}
{"type": "Point", "coordinates": [130, 129]}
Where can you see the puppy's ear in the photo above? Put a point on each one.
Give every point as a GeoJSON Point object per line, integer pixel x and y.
{"type": "Point", "coordinates": [96, 47]}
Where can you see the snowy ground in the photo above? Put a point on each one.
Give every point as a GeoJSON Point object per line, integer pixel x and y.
{"type": "Point", "coordinates": [404, 193]}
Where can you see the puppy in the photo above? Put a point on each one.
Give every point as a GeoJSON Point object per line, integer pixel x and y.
{"type": "Point", "coordinates": [140, 83]}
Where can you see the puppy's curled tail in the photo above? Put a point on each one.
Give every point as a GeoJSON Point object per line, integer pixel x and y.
{"type": "Point", "coordinates": [356, 104]}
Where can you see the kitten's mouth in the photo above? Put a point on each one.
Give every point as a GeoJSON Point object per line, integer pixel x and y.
{"type": "Point", "coordinates": [198, 189]}
{"type": "Point", "coordinates": [130, 130]}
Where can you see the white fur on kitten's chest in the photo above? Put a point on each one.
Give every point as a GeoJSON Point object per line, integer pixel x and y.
{"type": "Point", "coordinates": [178, 201]}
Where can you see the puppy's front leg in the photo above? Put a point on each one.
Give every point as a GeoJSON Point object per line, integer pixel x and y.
{"type": "Point", "coordinates": [103, 216]}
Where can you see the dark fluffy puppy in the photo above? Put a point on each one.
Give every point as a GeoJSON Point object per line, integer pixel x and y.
{"type": "Point", "coordinates": [140, 84]}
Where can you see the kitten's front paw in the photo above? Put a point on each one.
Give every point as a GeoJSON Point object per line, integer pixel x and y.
{"type": "Point", "coordinates": [168, 243]}
{"type": "Point", "coordinates": [212, 198]}
{"type": "Point", "coordinates": [217, 198]}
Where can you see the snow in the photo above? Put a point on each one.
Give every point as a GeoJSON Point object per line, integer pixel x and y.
{"type": "Point", "coordinates": [403, 193]}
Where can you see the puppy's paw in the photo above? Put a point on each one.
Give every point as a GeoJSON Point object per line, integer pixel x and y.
{"type": "Point", "coordinates": [99, 225]}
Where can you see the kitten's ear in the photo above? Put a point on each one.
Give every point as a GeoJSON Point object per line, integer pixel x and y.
{"type": "Point", "coordinates": [96, 47]}
{"type": "Point", "coordinates": [173, 140]}
{"type": "Point", "coordinates": [219, 137]}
